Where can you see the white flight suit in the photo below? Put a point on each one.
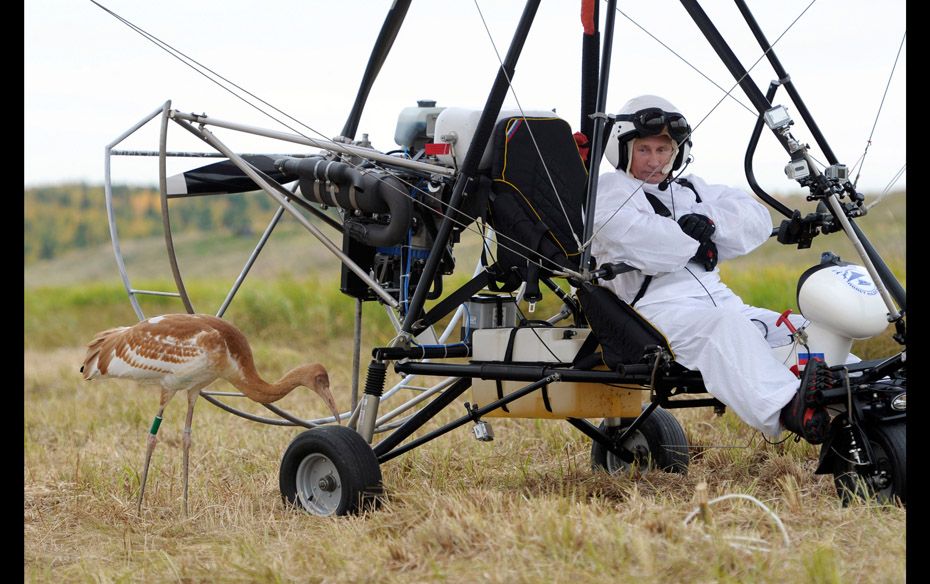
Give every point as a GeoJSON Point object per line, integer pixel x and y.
{"type": "Point", "coordinates": [708, 327]}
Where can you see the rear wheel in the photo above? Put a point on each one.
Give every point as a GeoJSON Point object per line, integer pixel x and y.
{"type": "Point", "coordinates": [659, 442]}
{"type": "Point", "coordinates": [886, 478]}
{"type": "Point", "coordinates": [330, 470]}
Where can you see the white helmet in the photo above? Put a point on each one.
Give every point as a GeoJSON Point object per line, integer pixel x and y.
{"type": "Point", "coordinates": [647, 115]}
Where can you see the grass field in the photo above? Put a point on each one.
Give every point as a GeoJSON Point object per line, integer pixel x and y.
{"type": "Point", "coordinates": [524, 508]}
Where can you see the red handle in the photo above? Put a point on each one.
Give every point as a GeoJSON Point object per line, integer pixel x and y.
{"type": "Point", "coordinates": [783, 319]}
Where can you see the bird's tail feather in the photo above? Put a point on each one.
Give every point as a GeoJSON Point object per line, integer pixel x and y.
{"type": "Point", "coordinates": [89, 367]}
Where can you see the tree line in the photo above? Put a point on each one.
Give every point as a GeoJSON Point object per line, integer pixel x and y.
{"type": "Point", "coordinates": [59, 218]}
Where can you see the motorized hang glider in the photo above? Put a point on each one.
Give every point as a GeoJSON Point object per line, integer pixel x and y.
{"type": "Point", "coordinates": [528, 178]}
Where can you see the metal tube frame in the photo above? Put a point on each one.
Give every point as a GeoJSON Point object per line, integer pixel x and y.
{"type": "Point", "coordinates": [837, 208]}
{"type": "Point", "coordinates": [249, 262]}
{"type": "Point", "coordinates": [388, 449]}
{"type": "Point", "coordinates": [476, 149]}
{"type": "Point", "coordinates": [750, 155]}
{"type": "Point", "coordinates": [111, 215]}
{"type": "Point", "coordinates": [181, 154]}
{"type": "Point", "coordinates": [762, 103]}
{"type": "Point", "coordinates": [448, 388]}
{"type": "Point", "coordinates": [597, 141]}
{"type": "Point", "coordinates": [265, 184]}
{"type": "Point", "coordinates": [163, 153]}
{"type": "Point", "coordinates": [337, 147]}
{"type": "Point", "coordinates": [165, 216]}
{"type": "Point", "coordinates": [356, 350]}
{"type": "Point", "coordinates": [382, 424]}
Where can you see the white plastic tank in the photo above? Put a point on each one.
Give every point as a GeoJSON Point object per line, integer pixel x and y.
{"type": "Point", "coordinates": [844, 299]}
{"type": "Point", "coordinates": [456, 126]}
{"type": "Point", "coordinates": [415, 125]}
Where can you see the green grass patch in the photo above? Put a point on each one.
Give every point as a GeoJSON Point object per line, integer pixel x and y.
{"type": "Point", "coordinates": [286, 309]}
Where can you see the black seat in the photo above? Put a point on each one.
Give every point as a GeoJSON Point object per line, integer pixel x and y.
{"type": "Point", "coordinates": [536, 200]}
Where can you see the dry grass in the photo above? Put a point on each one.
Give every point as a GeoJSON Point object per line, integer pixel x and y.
{"type": "Point", "coordinates": [524, 508]}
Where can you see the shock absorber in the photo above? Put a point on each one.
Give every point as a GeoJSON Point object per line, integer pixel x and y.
{"type": "Point", "coordinates": [855, 451]}
{"type": "Point", "coordinates": [368, 411]}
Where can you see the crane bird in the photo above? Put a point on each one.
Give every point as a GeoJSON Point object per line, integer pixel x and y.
{"type": "Point", "coordinates": [179, 352]}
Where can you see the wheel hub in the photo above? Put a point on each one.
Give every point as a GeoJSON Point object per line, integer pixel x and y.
{"type": "Point", "coordinates": [328, 483]}
{"type": "Point", "coordinates": [880, 479]}
{"type": "Point", "coordinates": [319, 487]}
{"type": "Point", "coordinates": [637, 445]}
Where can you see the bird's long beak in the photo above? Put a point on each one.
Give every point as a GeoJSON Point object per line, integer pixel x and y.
{"type": "Point", "coordinates": [324, 392]}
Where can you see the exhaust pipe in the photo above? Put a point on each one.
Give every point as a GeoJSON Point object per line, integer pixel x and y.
{"type": "Point", "coordinates": [334, 183]}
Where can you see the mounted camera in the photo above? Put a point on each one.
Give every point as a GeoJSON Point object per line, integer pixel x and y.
{"type": "Point", "coordinates": [777, 118]}
{"type": "Point", "coordinates": [797, 170]}
{"type": "Point", "coordinates": [837, 172]}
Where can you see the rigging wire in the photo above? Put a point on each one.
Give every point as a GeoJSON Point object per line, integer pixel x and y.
{"type": "Point", "coordinates": [891, 183]}
{"type": "Point", "coordinates": [181, 57]}
{"type": "Point", "coordinates": [529, 128]}
{"type": "Point", "coordinates": [868, 142]}
{"type": "Point", "coordinates": [703, 119]}
{"type": "Point", "coordinates": [887, 188]}
{"type": "Point", "coordinates": [685, 61]}
{"type": "Point", "coordinates": [191, 62]}
{"type": "Point", "coordinates": [856, 165]}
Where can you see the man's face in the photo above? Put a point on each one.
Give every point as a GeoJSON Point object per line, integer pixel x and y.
{"type": "Point", "coordinates": [650, 155]}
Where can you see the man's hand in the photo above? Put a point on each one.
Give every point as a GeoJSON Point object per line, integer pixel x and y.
{"type": "Point", "coordinates": [798, 230]}
{"type": "Point", "coordinates": [706, 255]}
{"type": "Point", "coordinates": [698, 227]}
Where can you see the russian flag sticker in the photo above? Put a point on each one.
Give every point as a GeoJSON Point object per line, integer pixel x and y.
{"type": "Point", "coordinates": [803, 358]}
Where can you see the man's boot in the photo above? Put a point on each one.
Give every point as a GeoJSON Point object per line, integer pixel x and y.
{"type": "Point", "coordinates": [802, 415]}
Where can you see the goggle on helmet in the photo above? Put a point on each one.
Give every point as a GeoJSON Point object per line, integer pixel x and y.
{"type": "Point", "coordinates": [650, 121]}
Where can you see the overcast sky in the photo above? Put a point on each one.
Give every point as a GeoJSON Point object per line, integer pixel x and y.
{"type": "Point", "coordinates": [88, 77]}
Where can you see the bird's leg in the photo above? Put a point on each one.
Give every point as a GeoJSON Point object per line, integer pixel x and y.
{"type": "Point", "coordinates": [152, 440]}
{"type": "Point", "coordinates": [191, 400]}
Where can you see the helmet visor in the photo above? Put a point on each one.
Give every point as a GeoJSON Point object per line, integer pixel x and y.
{"type": "Point", "coordinates": [651, 121]}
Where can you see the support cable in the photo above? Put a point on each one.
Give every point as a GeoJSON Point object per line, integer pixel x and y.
{"type": "Point", "coordinates": [868, 142]}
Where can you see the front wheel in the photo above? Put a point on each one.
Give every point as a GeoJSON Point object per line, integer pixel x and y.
{"type": "Point", "coordinates": [659, 442]}
{"type": "Point", "coordinates": [330, 470]}
{"type": "Point", "coordinates": [886, 478]}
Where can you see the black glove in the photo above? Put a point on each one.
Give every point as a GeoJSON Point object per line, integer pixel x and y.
{"type": "Point", "coordinates": [798, 230]}
{"type": "Point", "coordinates": [695, 226]}
{"type": "Point", "coordinates": [706, 255]}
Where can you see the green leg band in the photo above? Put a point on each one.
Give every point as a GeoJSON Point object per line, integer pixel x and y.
{"type": "Point", "coordinates": [155, 424]}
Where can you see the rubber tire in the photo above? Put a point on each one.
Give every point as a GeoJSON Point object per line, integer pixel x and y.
{"type": "Point", "coordinates": [359, 472]}
{"type": "Point", "coordinates": [659, 428]}
{"type": "Point", "coordinates": [889, 446]}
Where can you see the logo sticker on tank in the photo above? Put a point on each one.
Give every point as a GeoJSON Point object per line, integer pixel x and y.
{"type": "Point", "coordinates": [857, 278]}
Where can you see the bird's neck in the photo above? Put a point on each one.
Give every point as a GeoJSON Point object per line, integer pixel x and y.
{"type": "Point", "coordinates": [257, 389]}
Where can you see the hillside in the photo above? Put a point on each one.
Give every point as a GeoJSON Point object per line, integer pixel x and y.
{"type": "Point", "coordinates": [67, 241]}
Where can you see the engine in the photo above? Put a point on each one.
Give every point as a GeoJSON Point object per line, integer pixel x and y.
{"type": "Point", "coordinates": [390, 215]}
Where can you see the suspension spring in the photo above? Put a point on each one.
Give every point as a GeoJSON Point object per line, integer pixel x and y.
{"type": "Point", "coordinates": [374, 383]}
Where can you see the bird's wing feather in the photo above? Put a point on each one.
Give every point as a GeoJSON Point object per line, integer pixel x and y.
{"type": "Point", "coordinates": [177, 351]}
